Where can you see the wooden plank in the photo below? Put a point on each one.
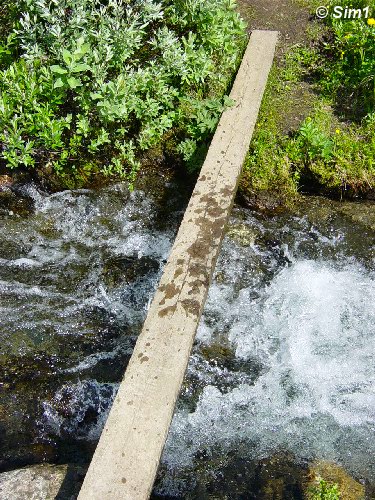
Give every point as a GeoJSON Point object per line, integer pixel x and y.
{"type": "Point", "coordinates": [127, 456]}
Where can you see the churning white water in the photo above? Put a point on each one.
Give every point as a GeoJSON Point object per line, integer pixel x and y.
{"type": "Point", "coordinates": [309, 331]}
{"type": "Point", "coordinates": [285, 351]}
{"type": "Point", "coordinates": [76, 273]}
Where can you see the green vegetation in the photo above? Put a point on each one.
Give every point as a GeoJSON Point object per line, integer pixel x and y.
{"type": "Point", "coordinates": [333, 150]}
{"type": "Point", "coordinates": [349, 75]}
{"type": "Point", "coordinates": [8, 14]}
{"type": "Point", "coordinates": [325, 491]}
{"type": "Point", "coordinates": [88, 86]}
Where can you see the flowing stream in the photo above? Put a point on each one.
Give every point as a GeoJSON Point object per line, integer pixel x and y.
{"type": "Point", "coordinates": [282, 372]}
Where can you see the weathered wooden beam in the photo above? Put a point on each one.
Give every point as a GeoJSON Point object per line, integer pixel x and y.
{"type": "Point", "coordinates": [127, 456]}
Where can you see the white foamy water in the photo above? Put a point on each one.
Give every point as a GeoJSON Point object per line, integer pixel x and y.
{"type": "Point", "coordinates": [312, 331]}
{"type": "Point", "coordinates": [54, 262]}
{"type": "Point", "coordinates": [76, 274]}
{"type": "Point", "coordinates": [292, 304]}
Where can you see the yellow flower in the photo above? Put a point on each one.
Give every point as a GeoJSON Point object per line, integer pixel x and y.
{"type": "Point", "coordinates": [338, 131]}
{"type": "Point", "coordinates": [371, 21]}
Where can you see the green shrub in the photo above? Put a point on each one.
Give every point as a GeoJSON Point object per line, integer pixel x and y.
{"type": "Point", "coordinates": [97, 83]}
{"type": "Point", "coordinates": [314, 143]}
{"type": "Point", "coordinates": [338, 160]}
{"type": "Point", "coordinates": [8, 14]}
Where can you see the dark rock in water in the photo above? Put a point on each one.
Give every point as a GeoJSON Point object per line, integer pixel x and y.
{"type": "Point", "coordinates": [217, 354]}
{"type": "Point", "coordinates": [78, 410]}
{"type": "Point", "coordinates": [125, 269]}
{"type": "Point", "coordinates": [17, 368]}
{"type": "Point", "coordinates": [279, 477]}
{"type": "Point", "coordinates": [225, 357]}
{"type": "Point", "coordinates": [42, 482]}
{"type": "Point", "coordinates": [12, 249]}
{"type": "Point", "coordinates": [264, 201]}
{"type": "Point", "coordinates": [360, 213]}
{"type": "Point", "coordinates": [237, 477]}
{"type": "Point", "coordinates": [19, 440]}
{"type": "Point", "coordinates": [14, 202]}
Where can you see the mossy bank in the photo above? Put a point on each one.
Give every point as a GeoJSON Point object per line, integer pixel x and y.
{"type": "Point", "coordinates": [316, 131]}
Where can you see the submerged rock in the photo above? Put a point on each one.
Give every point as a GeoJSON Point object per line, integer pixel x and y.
{"type": "Point", "coordinates": [217, 354]}
{"type": "Point", "coordinates": [236, 476]}
{"type": "Point", "coordinates": [242, 234]}
{"type": "Point", "coordinates": [13, 202]}
{"type": "Point", "coordinates": [41, 482]}
{"type": "Point", "coordinates": [279, 477]}
{"type": "Point", "coordinates": [322, 211]}
{"type": "Point", "coordinates": [360, 213]}
{"type": "Point", "coordinates": [119, 270]}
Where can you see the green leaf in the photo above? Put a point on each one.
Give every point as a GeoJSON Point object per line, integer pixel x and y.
{"type": "Point", "coordinates": [58, 83]}
{"type": "Point", "coordinates": [95, 95]}
{"type": "Point", "coordinates": [79, 68]}
{"type": "Point", "coordinates": [58, 69]}
{"type": "Point", "coordinates": [82, 49]}
{"type": "Point", "coordinates": [67, 56]}
{"type": "Point", "coordinates": [74, 82]}
{"type": "Point", "coordinates": [228, 101]}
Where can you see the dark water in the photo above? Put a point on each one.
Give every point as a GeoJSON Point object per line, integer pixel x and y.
{"type": "Point", "coordinates": [76, 274]}
{"type": "Point", "coordinates": [282, 372]}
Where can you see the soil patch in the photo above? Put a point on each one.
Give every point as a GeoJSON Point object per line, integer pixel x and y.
{"type": "Point", "coordinates": [294, 24]}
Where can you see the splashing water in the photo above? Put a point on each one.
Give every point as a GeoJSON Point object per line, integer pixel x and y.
{"type": "Point", "coordinates": [307, 329]}
{"type": "Point", "coordinates": [76, 274]}
{"type": "Point", "coordinates": [284, 358]}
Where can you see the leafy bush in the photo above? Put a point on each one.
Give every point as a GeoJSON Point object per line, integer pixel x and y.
{"type": "Point", "coordinates": [337, 160]}
{"type": "Point", "coordinates": [314, 143]}
{"type": "Point", "coordinates": [8, 18]}
{"type": "Point", "coordinates": [8, 13]}
{"type": "Point", "coordinates": [97, 83]}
